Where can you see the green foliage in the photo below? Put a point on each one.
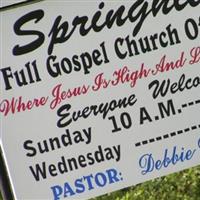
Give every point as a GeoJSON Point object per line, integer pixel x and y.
{"type": "Point", "coordinates": [184, 185]}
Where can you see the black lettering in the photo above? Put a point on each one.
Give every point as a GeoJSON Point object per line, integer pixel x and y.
{"type": "Point", "coordinates": [166, 110]}
{"type": "Point", "coordinates": [37, 15]}
{"type": "Point", "coordinates": [76, 62]}
{"type": "Point", "coordinates": [39, 171]}
{"type": "Point", "coordinates": [7, 73]}
{"type": "Point", "coordinates": [173, 35]}
{"type": "Point", "coordinates": [53, 69]}
{"type": "Point", "coordinates": [32, 151]}
{"type": "Point", "coordinates": [144, 115]}
{"type": "Point", "coordinates": [56, 36]}
{"type": "Point", "coordinates": [191, 29]}
{"type": "Point", "coordinates": [119, 42]}
{"type": "Point", "coordinates": [63, 114]}
{"type": "Point", "coordinates": [160, 89]}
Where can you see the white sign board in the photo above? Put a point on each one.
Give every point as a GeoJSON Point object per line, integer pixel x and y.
{"type": "Point", "coordinates": [98, 96]}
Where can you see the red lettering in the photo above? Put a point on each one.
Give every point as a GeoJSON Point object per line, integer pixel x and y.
{"type": "Point", "coordinates": [164, 65]}
{"type": "Point", "coordinates": [100, 82]}
{"type": "Point", "coordinates": [60, 95]}
{"type": "Point", "coordinates": [195, 54]}
{"type": "Point", "coordinates": [19, 105]}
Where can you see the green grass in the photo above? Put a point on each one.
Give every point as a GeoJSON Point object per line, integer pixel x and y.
{"type": "Point", "coordinates": [184, 185]}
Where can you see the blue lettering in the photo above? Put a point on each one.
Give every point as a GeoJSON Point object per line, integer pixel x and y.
{"type": "Point", "coordinates": [100, 179]}
{"type": "Point", "coordinates": [166, 160]}
{"type": "Point", "coordinates": [89, 181]}
{"type": "Point", "coordinates": [79, 185]}
{"type": "Point", "coordinates": [158, 164]}
{"type": "Point", "coordinates": [199, 143]}
{"type": "Point", "coordinates": [57, 191]}
{"type": "Point", "coordinates": [146, 162]}
{"type": "Point", "coordinates": [112, 175]}
{"type": "Point", "coordinates": [68, 190]}
{"type": "Point", "coordinates": [189, 154]}
{"type": "Point", "coordinates": [86, 183]}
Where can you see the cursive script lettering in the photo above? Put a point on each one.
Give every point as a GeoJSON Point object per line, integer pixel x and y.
{"type": "Point", "coordinates": [62, 31]}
